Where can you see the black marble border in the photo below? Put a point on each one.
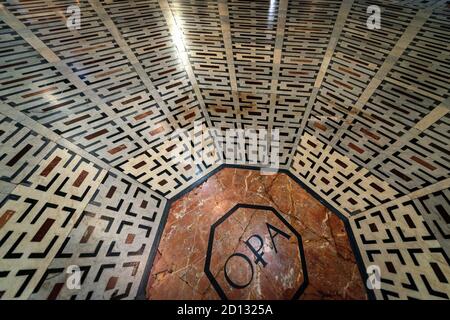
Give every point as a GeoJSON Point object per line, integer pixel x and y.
{"type": "Point", "coordinates": [141, 293]}
{"type": "Point", "coordinates": [211, 277]}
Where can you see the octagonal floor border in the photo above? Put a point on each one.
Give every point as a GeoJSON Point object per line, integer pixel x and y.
{"type": "Point", "coordinates": [141, 293]}
{"type": "Point", "coordinates": [211, 277]}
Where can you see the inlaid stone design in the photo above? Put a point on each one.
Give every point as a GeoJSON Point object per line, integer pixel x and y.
{"type": "Point", "coordinates": [243, 235]}
{"type": "Point", "coordinates": [88, 157]}
{"type": "Point", "coordinates": [254, 253]}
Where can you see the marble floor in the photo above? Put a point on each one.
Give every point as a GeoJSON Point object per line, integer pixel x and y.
{"type": "Point", "coordinates": [113, 116]}
{"type": "Point", "coordinates": [294, 247]}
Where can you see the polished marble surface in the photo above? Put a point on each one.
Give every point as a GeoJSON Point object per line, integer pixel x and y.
{"type": "Point", "coordinates": [87, 116]}
{"type": "Point", "coordinates": [178, 270]}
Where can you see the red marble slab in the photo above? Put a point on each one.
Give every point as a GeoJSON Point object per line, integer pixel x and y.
{"type": "Point", "coordinates": [178, 270]}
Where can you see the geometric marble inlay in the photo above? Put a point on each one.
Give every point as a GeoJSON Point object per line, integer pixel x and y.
{"type": "Point", "coordinates": [109, 128]}
{"type": "Point", "coordinates": [242, 264]}
{"type": "Point", "coordinates": [243, 235]}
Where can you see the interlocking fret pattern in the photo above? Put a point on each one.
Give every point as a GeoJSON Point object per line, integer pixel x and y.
{"type": "Point", "coordinates": [110, 242]}
{"type": "Point", "coordinates": [380, 153]}
{"type": "Point", "coordinates": [41, 210]}
{"type": "Point", "coordinates": [94, 122]}
{"type": "Point", "coordinates": [408, 241]}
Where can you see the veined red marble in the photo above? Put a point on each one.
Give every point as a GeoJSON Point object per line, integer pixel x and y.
{"type": "Point", "coordinates": [178, 269]}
